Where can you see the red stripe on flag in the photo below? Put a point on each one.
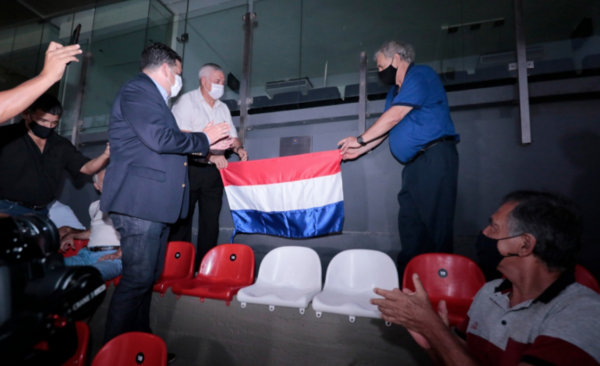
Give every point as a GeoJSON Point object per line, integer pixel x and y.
{"type": "Point", "coordinates": [280, 170]}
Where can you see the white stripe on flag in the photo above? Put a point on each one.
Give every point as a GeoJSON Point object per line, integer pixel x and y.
{"type": "Point", "coordinates": [288, 196]}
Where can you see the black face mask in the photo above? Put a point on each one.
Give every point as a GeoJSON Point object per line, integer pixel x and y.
{"type": "Point", "coordinates": [489, 256]}
{"type": "Point", "coordinates": [388, 76]}
{"type": "Point", "coordinates": [40, 131]}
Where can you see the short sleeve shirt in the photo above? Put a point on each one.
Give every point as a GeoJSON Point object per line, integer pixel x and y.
{"type": "Point", "coordinates": [193, 113]}
{"type": "Point", "coordinates": [428, 120]}
{"type": "Point", "coordinates": [561, 327]}
{"type": "Point", "coordinates": [30, 176]}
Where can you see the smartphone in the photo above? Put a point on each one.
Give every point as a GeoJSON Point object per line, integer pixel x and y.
{"type": "Point", "coordinates": [75, 35]}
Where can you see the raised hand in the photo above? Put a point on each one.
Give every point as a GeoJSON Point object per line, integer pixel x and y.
{"type": "Point", "coordinates": [216, 132]}
{"type": "Point", "coordinates": [57, 58]}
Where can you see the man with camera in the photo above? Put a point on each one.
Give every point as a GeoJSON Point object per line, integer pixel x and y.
{"type": "Point", "coordinates": [33, 158]}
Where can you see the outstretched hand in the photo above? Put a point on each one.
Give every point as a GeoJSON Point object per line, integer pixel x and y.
{"type": "Point", "coordinates": [216, 132]}
{"type": "Point", "coordinates": [412, 310]}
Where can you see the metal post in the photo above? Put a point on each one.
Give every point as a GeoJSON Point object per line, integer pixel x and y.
{"type": "Point", "coordinates": [362, 94]}
{"type": "Point", "coordinates": [522, 74]}
{"type": "Point", "coordinates": [245, 99]}
{"type": "Point", "coordinates": [79, 101]}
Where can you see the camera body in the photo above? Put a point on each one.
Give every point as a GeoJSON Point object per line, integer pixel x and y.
{"type": "Point", "coordinates": [40, 298]}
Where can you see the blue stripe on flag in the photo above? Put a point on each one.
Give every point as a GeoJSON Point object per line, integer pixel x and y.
{"type": "Point", "coordinates": [292, 224]}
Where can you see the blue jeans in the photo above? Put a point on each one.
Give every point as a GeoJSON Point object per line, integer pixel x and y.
{"type": "Point", "coordinates": [143, 244]}
{"type": "Point", "coordinates": [108, 268]}
{"type": "Point", "coordinates": [14, 209]}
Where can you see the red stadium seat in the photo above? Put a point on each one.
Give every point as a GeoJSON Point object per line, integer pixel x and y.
{"type": "Point", "coordinates": [83, 337]}
{"type": "Point", "coordinates": [179, 265]}
{"type": "Point", "coordinates": [225, 269]}
{"type": "Point", "coordinates": [116, 280]}
{"type": "Point", "coordinates": [78, 245]}
{"type": "Point", "coordinates": [449, 277]}
{"type": "Point", "coordinates": [133, 349]}
{"type": "Point", "coordinates": [584, 277]}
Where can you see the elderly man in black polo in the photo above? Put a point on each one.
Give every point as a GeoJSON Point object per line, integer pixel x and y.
{"type": "Point", "coordinates": [422, 137]}
{"type": "Point", "coordinates": [33, 158]}
{"type": "Point", "coordinates": [538, 315]}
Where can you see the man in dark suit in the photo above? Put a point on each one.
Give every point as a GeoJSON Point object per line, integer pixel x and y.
{"type": "Point", "coordinates": [146, 184]}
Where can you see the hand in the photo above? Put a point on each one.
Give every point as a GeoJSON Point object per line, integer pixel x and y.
{"type": "Point", "coordinates": [112, 257]}
{"type": "Point", "coordinates": [410, 309]}
{"type": "Point", "coordinates": [242, 153]}
{"type": "Point", "coordinates": [347, 143]}
{"type": "Point", "coordinates": [352, 154]}
{"type": "Point", "coordinates": [57, 58]}
{"type": "Point", "coordinates": [216, 132]}
{"type": "Point", "coordinates": [222, 145]}
{"type": "Point", "coordinates": [442, 313]}
{"type": "Point", "coordinates": [106, 152]}
{"type": "Point", "coordinates": [67, 242]}
{"type": "Point", "coordinates": [218, 160]}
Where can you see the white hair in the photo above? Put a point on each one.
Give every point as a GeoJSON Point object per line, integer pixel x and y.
{"type": "Point", "coordinates": [208, 69]}
{"type": "Point", "coordinates": [389, 49]}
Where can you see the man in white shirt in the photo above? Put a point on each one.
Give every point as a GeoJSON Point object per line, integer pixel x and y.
{"type": "Point", "coordinates": [104, 248]}
{"type": "Point", "coordinates": [194, 111]}
{"type": "Point", "coordinates": [64, 218]}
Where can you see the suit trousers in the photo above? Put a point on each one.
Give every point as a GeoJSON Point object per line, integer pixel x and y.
{"type": "Point", "coordinates": [427, 203]}
{"type": "Point", "coordinates": [206, 188]}
{"type": "Point", "coordinates": [143, 244]}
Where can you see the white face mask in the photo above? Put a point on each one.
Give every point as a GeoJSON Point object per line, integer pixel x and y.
{"type": "Point", "coordinates": [216, 91]}
{"type": "Point", "coordinates": [176, 88]}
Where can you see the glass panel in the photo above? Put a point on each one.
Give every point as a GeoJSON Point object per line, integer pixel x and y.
{"type": "Point", "coordinates": [7, 78]}
{"type": "Point", "coordinates": [563, 38]}
{"type": "Point", "coordinates": [26, 46]}
{"type": "Point", "coordinates": [215, 35]}
{"type": "Point", "coordinates": [118, 37]}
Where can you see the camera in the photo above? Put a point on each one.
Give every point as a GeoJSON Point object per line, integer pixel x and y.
{"type": "Point", "coordinates": [40, 298]}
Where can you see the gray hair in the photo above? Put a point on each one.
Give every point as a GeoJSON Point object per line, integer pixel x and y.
{"type": "Point", "coordinates": [208, 69]}
{"type": "Point", "coordinates": [389, 49]}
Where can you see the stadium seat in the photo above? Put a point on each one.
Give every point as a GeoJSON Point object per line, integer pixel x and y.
{"type": "Point", "coordinates": [78, 245]}
{"type": "Point", "coordinates": [288, 276]}
{"type": "Point", "coordinates": [116, 280]}
{"type": "Point", "coordinates": [449, 277]}
{"type": "Point", "coordinates": [351, 277]}
{"type": "Point", "coordinates": [231, 104]}
{"type": "Point", "coordinates": [133, 349]}
{"type": "Point", "coordinates": [224, 270]}
{"type": "Point", "coordinates": [375, 90]}
{"type": "Point", "coordinates": [83, 339]}
{"type": "Point", "coordinates": [322, 97]}
{"type": "Point", "coordinates": [584, 277]}
{"type": "Point", "coordinates": [179, 265]}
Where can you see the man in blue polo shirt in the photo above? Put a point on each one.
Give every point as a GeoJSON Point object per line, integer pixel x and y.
{"type": "Point", "coordinates": [422, 138]}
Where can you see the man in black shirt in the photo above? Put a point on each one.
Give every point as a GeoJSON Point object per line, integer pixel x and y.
{"type": "Point", "coordinates": [33, 157]}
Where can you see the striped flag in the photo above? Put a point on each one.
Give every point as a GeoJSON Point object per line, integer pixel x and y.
{"type": "Point", "coordinates": [297, 196]}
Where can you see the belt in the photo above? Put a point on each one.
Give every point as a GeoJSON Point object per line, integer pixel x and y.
{"type": "Point", "coordinates": [33, 207]}
{"type": "Point", "coordinates": [429, 145]}
{"type": "Point", "coordinates": [103, 248]}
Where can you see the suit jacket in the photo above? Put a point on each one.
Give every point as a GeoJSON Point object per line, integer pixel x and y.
{"type": "Point", "coordinates": [147, 176]}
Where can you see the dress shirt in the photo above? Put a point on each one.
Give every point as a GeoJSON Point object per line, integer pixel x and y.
{"type": "Point", "coordinates": [193, 113]}
{"type": "Point", "coordinates": [103, 231]}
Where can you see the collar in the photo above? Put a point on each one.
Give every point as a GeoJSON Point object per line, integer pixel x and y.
{"type": "Point", "coordinates": [562, 282]}
{"type": "Point", "coordinates": [162, 90]}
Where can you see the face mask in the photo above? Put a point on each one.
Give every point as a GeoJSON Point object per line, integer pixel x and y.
{"type": "Point", "coordinates": [40, 131]}
{"type": "Point", "coordinates": [488, 254]}
{"type": "Point", "coordinates": [176, 88]}
{"type": "Point", "coordinates": [388, 76]}
{"type": "Point", "coordinates": [216, 91]}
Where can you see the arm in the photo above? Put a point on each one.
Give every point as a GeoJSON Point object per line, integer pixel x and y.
{"type": "Point", "coordinates": [16, 100]}
{"type": "Point", "coordinates": [238, 148]}
{"type": "Point", "coordinates": [146, 119]}
{"type": "Point", "coordinates": [381, 127]}
{"type": "Point", "coordinates": [353, 153]}
{"type": "Point", "coordinates": [95, 165]}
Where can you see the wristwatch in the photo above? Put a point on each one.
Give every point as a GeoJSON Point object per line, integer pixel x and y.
{"type": "Point", "coordinates": [360, 140]}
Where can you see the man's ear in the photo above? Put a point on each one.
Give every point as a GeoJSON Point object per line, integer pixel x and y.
{"type": "Point", "coordinates": [528, 245]}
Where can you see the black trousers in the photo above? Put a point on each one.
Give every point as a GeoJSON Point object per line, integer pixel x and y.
{"type": "Point", "coordinates": [427, 203]}
{"type": "Point", "coordinates": [206, 188]}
